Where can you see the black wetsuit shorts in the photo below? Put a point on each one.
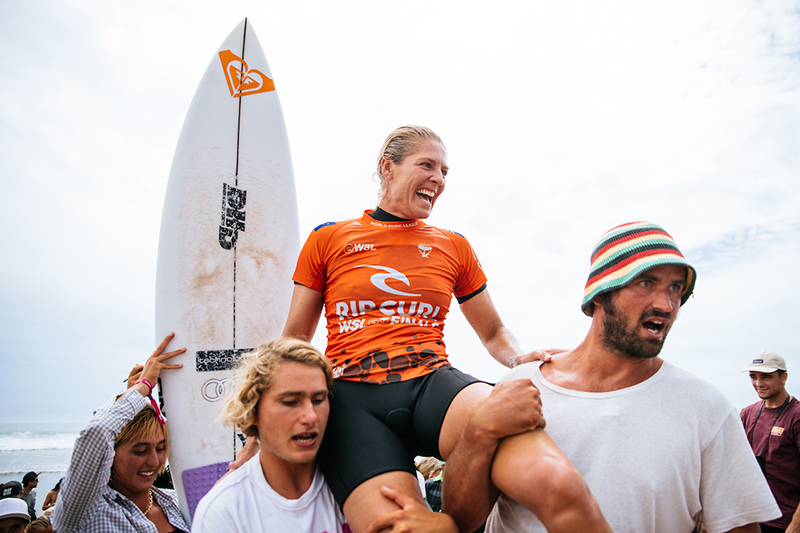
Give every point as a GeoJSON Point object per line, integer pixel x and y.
{"type": "Point", "coordinates": [374, 429]}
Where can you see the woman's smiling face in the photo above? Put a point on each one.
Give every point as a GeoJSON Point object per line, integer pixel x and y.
{"type": "Point", "coordinates": [414, 184]}
{"type": "Point", "coordinates": [137, 463]}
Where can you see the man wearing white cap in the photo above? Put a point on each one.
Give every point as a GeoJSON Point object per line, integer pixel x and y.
{"type": "Point", "coordinates": [773, 429]}
{"type": "Point", "coordinates": [13, 515]}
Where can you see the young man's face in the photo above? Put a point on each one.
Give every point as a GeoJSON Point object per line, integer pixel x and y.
{"type": "Point", "coordinates": [12, 525]}
{"type": "Point", "coordinates": [768, 385]}
{"type": "Point", "coordinates": [292, 414]}
{"type": "Point", "coordinates": [637, 317]}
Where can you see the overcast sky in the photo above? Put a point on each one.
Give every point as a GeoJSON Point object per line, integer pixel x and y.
{"type": "Point", "coordinates": [561, 120]}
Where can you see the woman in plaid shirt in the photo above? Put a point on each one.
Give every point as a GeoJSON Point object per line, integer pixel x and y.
{"type": "Point", "coordinates": [109, 484]}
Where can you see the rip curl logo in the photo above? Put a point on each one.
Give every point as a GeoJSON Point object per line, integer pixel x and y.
{"type": "Point", "coordinates": [424, 249]}
{"type": "Point", "coordinates": [233, 215]}
{"type": "Point", "coordinates": [355, 315]}
{"type": "Point", "coordinates": [243, 81]}
{"type": "Point", "coordinates": [380, 279]}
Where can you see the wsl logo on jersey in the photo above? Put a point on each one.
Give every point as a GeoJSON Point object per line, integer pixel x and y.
{"type": "Point", "coordinates": [424, 249]}
{"type": "Point", "coordinates": [350, 248]}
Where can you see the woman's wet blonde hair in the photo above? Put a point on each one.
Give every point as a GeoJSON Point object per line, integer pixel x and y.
{"type": "Point", "coordinates": [402, 142]}
{"type": "Point", "coordinates": [257, 372]}
{"type": "Point", "coordinates": [144, 425]}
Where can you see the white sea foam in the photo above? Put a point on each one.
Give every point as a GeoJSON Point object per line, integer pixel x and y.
{"type": "Point", "coordinates": [38, 447]}
{"type": "Point", "coordinates": [29, 440]}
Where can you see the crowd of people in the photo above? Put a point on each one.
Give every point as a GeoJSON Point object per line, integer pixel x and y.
{"type": "Point", "coordinates": [631, 443]}
{"type": "Point", "coordinates": [15, 494]}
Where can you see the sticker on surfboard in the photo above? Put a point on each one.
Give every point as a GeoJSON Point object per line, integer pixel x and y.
{"type": "Point", "coordinates": [243, 81]}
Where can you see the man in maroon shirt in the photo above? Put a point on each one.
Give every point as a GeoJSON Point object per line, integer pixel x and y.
{"type": "Point", "coordinates": [773, 429]}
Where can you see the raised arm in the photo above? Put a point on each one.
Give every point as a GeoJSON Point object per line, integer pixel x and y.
{"type": "Point", "coordinates": [90, 467]}
{"type": "Point", "coordinates": [304, 313]}
{"type": "Point", "coordinates": [498, 340]}
{"type": "Point", "coordinates": [49, 501]}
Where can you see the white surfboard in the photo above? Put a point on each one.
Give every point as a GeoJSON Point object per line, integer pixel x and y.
{"type": "Point", "coordinates": [228, 246]}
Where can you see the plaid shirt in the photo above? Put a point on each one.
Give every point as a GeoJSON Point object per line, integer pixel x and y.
{"type": "Point", "coordinates": [86, 503]}
{"type": "Point", "coordinates": [433, 493]}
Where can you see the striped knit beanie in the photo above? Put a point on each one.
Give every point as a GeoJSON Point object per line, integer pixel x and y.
{"type": "Point", "coordinates": [623, 253]}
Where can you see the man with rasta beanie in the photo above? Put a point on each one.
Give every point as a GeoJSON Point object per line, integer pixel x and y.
{"type": "Point", "coordinates": [653, 441]}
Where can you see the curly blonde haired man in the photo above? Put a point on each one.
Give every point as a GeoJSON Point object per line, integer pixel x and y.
{"type": "Point", "coordinates": [280, 398]}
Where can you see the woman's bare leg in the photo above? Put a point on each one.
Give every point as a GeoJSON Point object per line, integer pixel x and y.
{"type": "Point", "coordinates": [533, 471]}
{"type": "Point", "coordinates": [366, 503]}
{"type": "Point", "coordinates": [527, 465]}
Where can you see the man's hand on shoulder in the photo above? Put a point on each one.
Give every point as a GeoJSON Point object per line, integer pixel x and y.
{"type": "Point", "coordinates": [249, 450]}
{"type": "Point", "coordinates": [539, 355]}
{"type": "Point", "coordinates": [412, 517]}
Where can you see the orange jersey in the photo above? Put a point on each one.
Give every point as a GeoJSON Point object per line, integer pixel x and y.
{"type": "Point", "coordinates": [387, 288]}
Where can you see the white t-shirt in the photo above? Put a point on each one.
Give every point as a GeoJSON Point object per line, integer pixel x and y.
{"type": "Point", "coordinates": [421, 483]}
{"type": "Point", "coordinates": [244, 501]}
{"type": "Point", "coordinates": [654, 455]}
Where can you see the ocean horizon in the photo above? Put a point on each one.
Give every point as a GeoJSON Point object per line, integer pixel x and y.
{"type": "Point", "coordinates": [41, 447]}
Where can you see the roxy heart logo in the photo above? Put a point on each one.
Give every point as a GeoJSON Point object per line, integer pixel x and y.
{"type": "Point", "coordinates": [243, 81]}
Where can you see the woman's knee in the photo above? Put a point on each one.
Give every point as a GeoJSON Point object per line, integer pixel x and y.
{"type": "Point", "coordinates": [562, 485]}
{"type": "Point", "coordinates": [366, 502]}
{"type": "Point", "coordinates": [559, 496]}
{"type": "Point", "coordinates": [539, 477]}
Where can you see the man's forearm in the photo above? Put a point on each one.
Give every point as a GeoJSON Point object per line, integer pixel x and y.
{"type": "Point", "coordinates": [794, 526]}
{"type": "Point", "coordinates": [513, 407]}
{"type": "Point", "coordinates": [467, 492]}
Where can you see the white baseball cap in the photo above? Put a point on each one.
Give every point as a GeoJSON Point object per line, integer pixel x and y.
{"type": "Point", "coordinates": [14, 508]}
{"type": "Point", "coordinates": [766, 361]}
